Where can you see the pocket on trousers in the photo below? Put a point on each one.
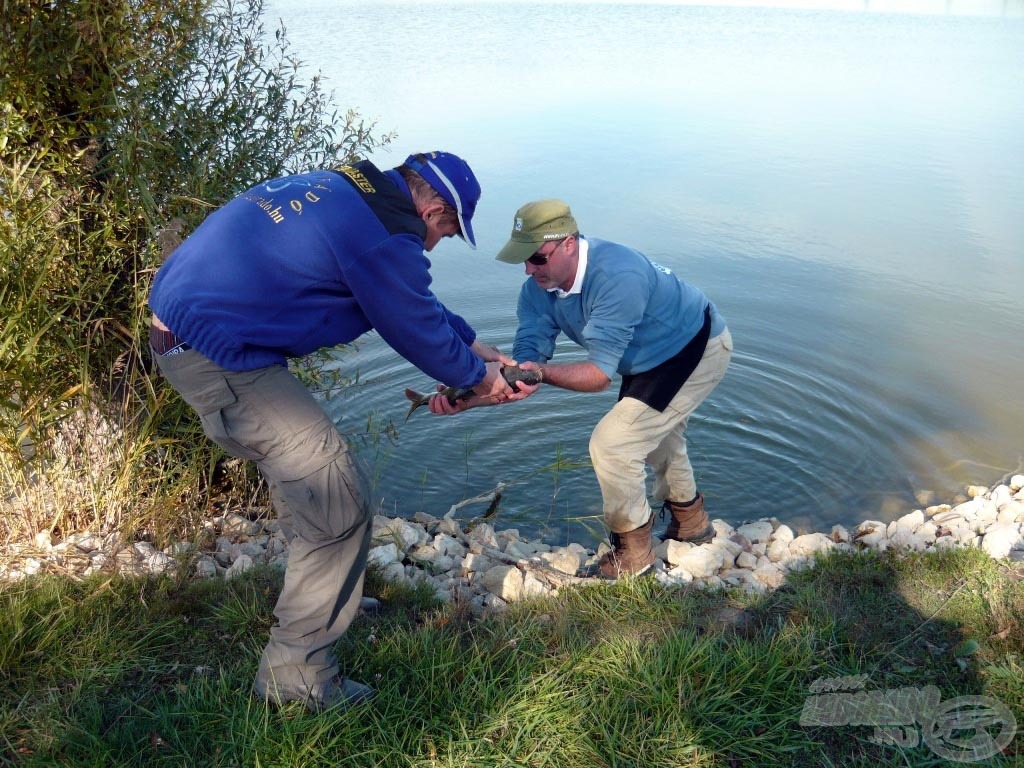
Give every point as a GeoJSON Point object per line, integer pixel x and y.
{"type": "Point", "coordinates": [329, 504]}
{"type": "Point", "coordinates": [230, 423]}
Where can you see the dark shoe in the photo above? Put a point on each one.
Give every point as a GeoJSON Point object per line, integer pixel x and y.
{"type": "Point", "coordinates": [632, 554]}
{"type": "Point", "coordinates": [369, 605]}
{"type": "Point", "coordinates": [688, 522]}
{"type": "Point", "coordinates": [338, 691]}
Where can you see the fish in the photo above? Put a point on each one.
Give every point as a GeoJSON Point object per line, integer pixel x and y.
{"type": "Point", "coordinates": [513, 375]}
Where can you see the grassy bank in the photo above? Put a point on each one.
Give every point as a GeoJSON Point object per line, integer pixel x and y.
{"type": "Point", "coordinates": [122, 672]}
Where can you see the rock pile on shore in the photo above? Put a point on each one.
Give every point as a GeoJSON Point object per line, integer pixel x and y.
{"type": "Point", "coordinates": [491, 568]}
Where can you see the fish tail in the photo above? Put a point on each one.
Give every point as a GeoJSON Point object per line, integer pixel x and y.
{"type": "Point", "coordinates": [416, 400]}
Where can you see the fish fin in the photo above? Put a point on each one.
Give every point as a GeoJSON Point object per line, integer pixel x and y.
{"type": "Point", "coordinates": [416, 399]}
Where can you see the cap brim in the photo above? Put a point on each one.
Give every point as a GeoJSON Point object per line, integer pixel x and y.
{"type": "Point", "coordinates": [517, 251]}
{"type": "Point", "coordinates": [467, 231]}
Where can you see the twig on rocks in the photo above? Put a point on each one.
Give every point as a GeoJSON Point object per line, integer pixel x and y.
{"type": "Point", "coordinates": [490, 496]}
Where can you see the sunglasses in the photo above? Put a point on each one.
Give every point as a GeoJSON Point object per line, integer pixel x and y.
{"type": "Point", "coordinates": [540, 259]}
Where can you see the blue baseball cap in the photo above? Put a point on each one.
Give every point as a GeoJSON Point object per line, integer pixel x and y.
{"type": "Point", "coordinates": [453, 179]}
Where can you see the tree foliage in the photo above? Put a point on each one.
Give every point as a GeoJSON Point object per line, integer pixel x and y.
{"type": "Point", "coordinates": [122, 124]}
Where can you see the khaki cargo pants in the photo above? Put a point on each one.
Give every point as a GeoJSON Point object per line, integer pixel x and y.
{"type": "Point", "coordinates": [321, 499]}
{"type": "Point", "coordinates": [632, 435]}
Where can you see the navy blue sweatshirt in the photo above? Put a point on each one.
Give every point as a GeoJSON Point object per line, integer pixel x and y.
{"type": "Point", "coordinates": [309, 261]}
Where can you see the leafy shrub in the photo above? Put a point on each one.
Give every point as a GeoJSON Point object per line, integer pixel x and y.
{"type": "Point", "coordinates": [122, 124]}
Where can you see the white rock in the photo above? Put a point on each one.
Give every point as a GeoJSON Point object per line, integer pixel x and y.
{"type": "Point", "coordinates": [976, 491]}
{"type": "Point", "coordinates": [741, 541]}
{"type": "Point", "coordinates": [1001, 538]}
{"type": "Point", "coordinates": [520, 549]}
{"type": "Point", "coordinates": [730, 549]}
{"type": "Point", "coordinates": [770, 575]}
{"type": "Point", "coordinates": [449, 545]}
{"type": "Point", "coordinates": [143, 549]}
{"type": "Point", "coordinates": [988, 513]}
{"type": "Point", "coordinates": [98, 560]}
{"type": "Point", "coordinates": [674, 578]}
{"type": "Point", "coordinates": [759, 531]}
{"type": "Point", "coordinates": [871, 533]}
{"type": "Point", "coordinates": [746, 560]}
{"type": "Point", "coordinates": [672, 551]}
{"type": "Point", "coordinates": [927, 531]}
{"type": "Point", "coordinates": [912, 520]}
{"type": "Point", "coordinates": [1016, 482]}
{"type": "Point", "coordinates": [253, 550]}
{"type": "Point", "coordinates": [1000, 495]}
{"type": "Point", "coordinates": [394, 571]}
{"type": "Point", "coordinates": [701, 562]}
{"type": "Point", "coordinates": [275, 547]}
{"type": "Point", "coordinates": [484, 534]}
{"type": "Point", "coordinates": [784, 534]}
{"type": "Point", "coordinates": [475, 562]}
{"type": "Point", "coordinates": [904, 538]}
{"type": "Point", "coordinates": [737, 576]}
{"type": "Point", "coordinates": [449, 526]}
{"type": "Point", "coordinates": [839, 534]}
{"type": "Point", "coordinates": [964, 537]}
{"type": "Point", "coordinates": [810, 543]}
{"type": "Point", "coordinates": [505, 581]}
{"type": "Point", "coordinates": [401, 533]}
{"type": "Point", "coordinates": [722, 529]}
{"type": "Point", "coordinates": [1011, 512]}
{"type": "Point", "coordinates": [384, 555]}
{"type": "Point", "coordinates": [242, 564]}
{"type": "Point", "coordinates": [778, 550]}
{"type": "Point", "coordinates": [534, 588]}
{"type": "Point", "coordinates": [85, 541]}
{"type": "Point", "coordinates": [562, 559]}
{"type": "Point", "coordinates": [43, 540]}
{"type": "Point", "coordinates": [159, 562]}
{"type": "Point", "coordinates": [236, 524]}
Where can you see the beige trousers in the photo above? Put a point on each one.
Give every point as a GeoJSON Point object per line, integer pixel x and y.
{"type": "Point", "coordinates": [633, 434]}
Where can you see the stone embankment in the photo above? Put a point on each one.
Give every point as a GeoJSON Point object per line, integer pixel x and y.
{"type": "Point", "coordinates": [491, 568]}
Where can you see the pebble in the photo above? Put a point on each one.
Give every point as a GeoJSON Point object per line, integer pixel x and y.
{"type": "Point", "coordinates": [491, 569]}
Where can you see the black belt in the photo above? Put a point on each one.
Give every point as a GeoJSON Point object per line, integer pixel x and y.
{"type": "Point", "coordinates": [166, 343]}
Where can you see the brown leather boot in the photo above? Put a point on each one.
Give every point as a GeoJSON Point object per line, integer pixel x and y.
{"type": "Point", "coordinates": [631, 553]}
{"type": "Point", "coordinates": [689, 522]}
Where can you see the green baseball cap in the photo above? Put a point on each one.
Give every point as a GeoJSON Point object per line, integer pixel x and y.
{"type": "Point", "coordinates": [537, 223]}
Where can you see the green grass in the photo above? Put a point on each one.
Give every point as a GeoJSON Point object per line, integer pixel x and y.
{"type": "Point", "coordinates": [154, 672]}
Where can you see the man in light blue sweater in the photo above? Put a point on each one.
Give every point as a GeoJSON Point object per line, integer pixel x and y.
{"type": "Point", "coordinates": [635, 318]}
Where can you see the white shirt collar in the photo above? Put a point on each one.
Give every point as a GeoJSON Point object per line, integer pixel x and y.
{"type": "Point", "coordinates": [581, 268]}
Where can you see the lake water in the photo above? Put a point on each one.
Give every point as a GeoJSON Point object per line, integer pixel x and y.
{"type": "Point", "coordinates": [846, 185]}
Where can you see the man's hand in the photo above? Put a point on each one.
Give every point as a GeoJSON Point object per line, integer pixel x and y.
{"type": "Point", "coordinates": [491, 354]}
{"type": "Point", "coordinates": [439, 404]}
{"type": "Point", "coordinates": [494, 387]}
{"type": "Point", "coordinates": [524, 390]}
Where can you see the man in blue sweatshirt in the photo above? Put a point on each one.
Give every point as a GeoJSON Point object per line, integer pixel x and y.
{"type": "Point", "coordinates": [290, 266]}
{"type": "Point", "coordinates": [637, 319]}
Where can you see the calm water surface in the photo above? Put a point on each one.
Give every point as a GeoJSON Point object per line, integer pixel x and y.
{"type": "Point", "coordinates": [846, 186]}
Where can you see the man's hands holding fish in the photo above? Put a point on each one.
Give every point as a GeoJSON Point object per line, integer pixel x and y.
{"type": "Point", "coordinates": [445, 406]}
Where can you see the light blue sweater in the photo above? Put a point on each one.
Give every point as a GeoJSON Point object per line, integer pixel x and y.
{"type": "Point", "coordinates": [630, 314]}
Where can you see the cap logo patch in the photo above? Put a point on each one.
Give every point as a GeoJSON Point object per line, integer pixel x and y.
{"type": "Point", "coordinates": [519, 224]}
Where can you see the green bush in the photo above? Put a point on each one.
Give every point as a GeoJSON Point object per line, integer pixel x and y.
{"type": "Point", "coordinates": [122, 124]}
